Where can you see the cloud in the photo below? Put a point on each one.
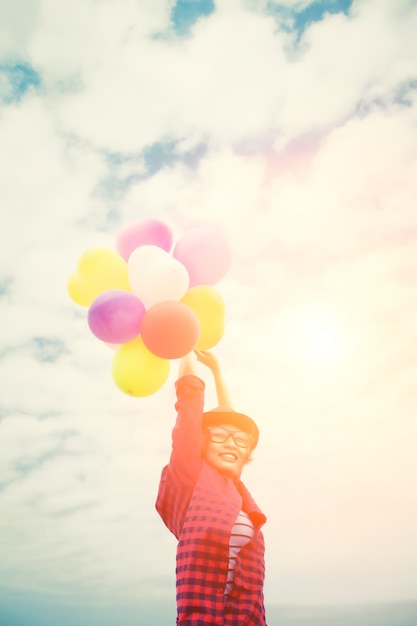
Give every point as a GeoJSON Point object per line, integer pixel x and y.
{"type": "Point", "coordinates": [229, 97]}
{"type": "Point", "coordinates": [303, 150]}
{"type": "Point", "coordinates": [18, 23]}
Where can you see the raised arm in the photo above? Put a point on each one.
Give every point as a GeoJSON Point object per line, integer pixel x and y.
{"type": "Point", "coordinates": [179, 476]}
{"type": "Point", "coordinates": [187, 366]}
{"type": "Point", "coordinates": [210, 360]}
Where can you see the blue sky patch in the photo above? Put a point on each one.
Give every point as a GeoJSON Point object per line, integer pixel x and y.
{"type": "Point", "coordinates": [299, 21]}
{"type": "Point", "coordinates": [187, 12]}
{"type": "Point", "coordinates": [404, 96]}
{"type": "Point", "coordinates": [47, 349]}
{"type": "Point", "coordinates": [317, 10]}
{"type": "Point", "coordinates": [160, 155]}
{"type": "Point", "coordinates": [15, 80]}
{"type": "Point", "coordinates": [156, 156]}
{"type": "Point", "coordinates": [5, 286]}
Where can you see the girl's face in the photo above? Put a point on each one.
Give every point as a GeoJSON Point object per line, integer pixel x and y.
{"type": "Point", "coordinates": [227, 457]}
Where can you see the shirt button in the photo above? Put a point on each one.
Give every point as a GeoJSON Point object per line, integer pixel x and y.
{"type": "Point", "coordinates": [220, 589]}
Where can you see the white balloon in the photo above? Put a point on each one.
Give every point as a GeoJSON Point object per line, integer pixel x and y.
{"type": "Point", "coordinates": [155, 276]}
{"type": "Point", "coordinates": [143, 255]}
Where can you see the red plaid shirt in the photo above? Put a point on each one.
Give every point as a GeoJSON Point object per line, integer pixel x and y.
{"type": "Point", "coordinates": [199, 506]}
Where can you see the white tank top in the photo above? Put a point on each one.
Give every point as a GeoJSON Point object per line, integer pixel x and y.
{"type": "Point", "coordinates": [242, 532]}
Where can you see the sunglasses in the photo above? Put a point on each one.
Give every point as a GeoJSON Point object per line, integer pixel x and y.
{"type": "Point", "coordinates": [220, 435]}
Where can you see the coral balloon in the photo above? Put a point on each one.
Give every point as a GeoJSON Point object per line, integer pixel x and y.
{"type": "Point", "coordinates": [138, 372]}
{"type": "Point", "coordinates": [99, 269]}
{"type": "Point", "coordinates": [170, 329]}
{"type": "Point", "coordinates": [155, 276]}
{"type": "Point", "coordinates": [206, 253]}
{"type": "Point", "coordinates": [115, 316]}
{"type": "Point", "coordinates": [146, 232]}
{"type": "Point", "coordinates": [208, 305]}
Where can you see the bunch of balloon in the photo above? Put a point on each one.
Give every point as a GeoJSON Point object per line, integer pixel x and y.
{"type": "Point", "coordinates": [152, 303]}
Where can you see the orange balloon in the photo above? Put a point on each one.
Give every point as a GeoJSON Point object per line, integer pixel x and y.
{"type": "Point", "coordinates": [170, 329]}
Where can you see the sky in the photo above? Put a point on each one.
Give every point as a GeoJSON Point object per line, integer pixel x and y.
{"type": "Point", "coordinates": [291, 127]}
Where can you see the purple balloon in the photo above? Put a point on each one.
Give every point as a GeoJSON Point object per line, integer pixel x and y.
{"type": "Point", "coordinates": [150, 231]}
{"type": "Point", "coordinates": [115, 316]}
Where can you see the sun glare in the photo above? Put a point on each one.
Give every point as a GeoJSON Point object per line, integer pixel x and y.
{"type": "Point", "coordinates": [319, 335]}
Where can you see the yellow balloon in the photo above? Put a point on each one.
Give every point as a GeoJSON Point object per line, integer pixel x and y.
{"type": "Point", "coordinates": [99, 269]}
{"type": "Point", "coordinates": [208, 305]}
{"type": "Point", "coordinates": [78, 291]}
{"type": "Point", "coordinates": [137, 371]}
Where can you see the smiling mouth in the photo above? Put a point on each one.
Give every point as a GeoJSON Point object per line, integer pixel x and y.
{"type": "Point", "coordinates": [229, 456]}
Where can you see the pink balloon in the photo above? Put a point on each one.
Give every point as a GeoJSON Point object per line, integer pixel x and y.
{"type": "Point", "coordinates": [146, 232]}
{"type": "Point", "coordinates": [115, 316]}
{"type": "Point", "coordinates": [206, 254]}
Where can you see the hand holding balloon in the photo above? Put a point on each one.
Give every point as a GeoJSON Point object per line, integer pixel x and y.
{"type": "Point", "coordinates": [207, 358]}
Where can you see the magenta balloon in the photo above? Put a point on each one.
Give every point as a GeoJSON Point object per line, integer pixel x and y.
{"type": "Point", "coordinates": [115, 316]}
{"type": "Point", "coordinates": [206, 254]}
{"type": "Point", "coordinates": [146, 232]}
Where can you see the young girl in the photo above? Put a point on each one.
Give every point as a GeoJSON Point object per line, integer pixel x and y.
{"type": "Point", "coordinates": [201, 499]}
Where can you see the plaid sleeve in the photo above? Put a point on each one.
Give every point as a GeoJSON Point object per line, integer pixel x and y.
{"type": "Point", "coordinates": [187, 436]}
{"type": "Point", "coordinates": [179, 476]}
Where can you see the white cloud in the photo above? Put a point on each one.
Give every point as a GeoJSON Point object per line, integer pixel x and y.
{"type": "Point", "coordinates": [72, 41]}
{"type": "Point", "coordinates": [318, 222]}
{"type": "Point", "coordinates": [18, 22]}
{"type": "Point", "coordinates": [343, 61]}
{"type": "Point", "coordinates": [221, 91]}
